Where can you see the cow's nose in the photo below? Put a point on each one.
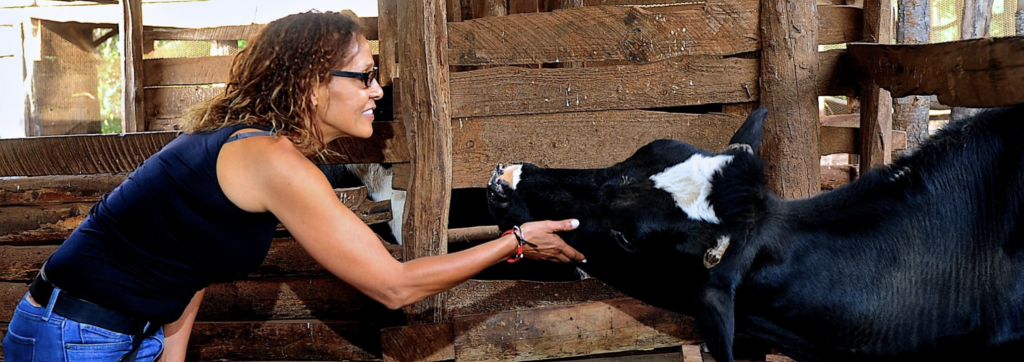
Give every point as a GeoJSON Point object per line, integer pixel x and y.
{"type": "Point", "coordinates": [495, 190]}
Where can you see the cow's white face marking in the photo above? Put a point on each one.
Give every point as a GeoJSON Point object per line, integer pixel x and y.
{"type": "Point", "coordinates": [689, 183]}
{"type": "Point", "coordinates": [512, 174]}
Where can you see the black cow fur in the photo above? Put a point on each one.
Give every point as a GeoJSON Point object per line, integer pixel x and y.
{"type": "Point", "coordinates": [919, 260]}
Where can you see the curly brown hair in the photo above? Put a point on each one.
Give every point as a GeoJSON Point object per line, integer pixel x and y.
{"type": "Point", "coordinates": [273, 79]}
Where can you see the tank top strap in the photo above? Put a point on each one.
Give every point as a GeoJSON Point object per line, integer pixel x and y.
{"type": "Point", "coordinates": [264, 132]}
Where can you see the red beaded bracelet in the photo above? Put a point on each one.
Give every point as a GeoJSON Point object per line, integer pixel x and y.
{"type": "Point", "coordinates": [520, 241]}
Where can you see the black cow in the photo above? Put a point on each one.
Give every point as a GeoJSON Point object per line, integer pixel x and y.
{"type": "Point", "coordinates": [920, 260]}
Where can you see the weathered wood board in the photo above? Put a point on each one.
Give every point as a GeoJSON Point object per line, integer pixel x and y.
{"type": "Point", "coordinates": [970, 73]}
{"type": "Point", "coordinates": [605, 33]}
{"type": "Point", "coordinates": [120, 153]}
{"type": "Point", "coordinates": [583, 329]}
{"type": "Point", "coordinates": [669, 83]}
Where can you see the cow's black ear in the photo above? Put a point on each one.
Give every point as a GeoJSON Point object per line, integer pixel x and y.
{"type": "Point", "coordinates": [752, 130]}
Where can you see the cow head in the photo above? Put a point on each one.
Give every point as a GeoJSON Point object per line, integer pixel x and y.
{"type": "Point", "coordinates": [670, 213]}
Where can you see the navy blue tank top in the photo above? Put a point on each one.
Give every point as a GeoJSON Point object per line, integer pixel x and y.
{"type": "Point", "coordinates": [165, 233]}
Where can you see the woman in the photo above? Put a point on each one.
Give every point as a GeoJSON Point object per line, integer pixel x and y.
{"type": "Point", "coordinates": [204, 209]}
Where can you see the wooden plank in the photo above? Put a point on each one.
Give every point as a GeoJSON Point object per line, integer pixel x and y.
{"type": "Point", "coordinates": [79, 154]}
{"type": "Point", "coordinates": [676, 82]}
{"type": "Point", "coordinates": [691, 353]}
{"type": "Point", "coordinates": [481, 143]}
{"type": "Point", "coordinates": [387, 21]}
{"type": "Point", "coordinates": [834, 75]}
{"type": "Point", "coordinates": [876, 103]}
{"type": "Point", "coordinates": [970, 73]}
{"type": "Point", "coordinates": [418, 342]}
{"type": "Point", "coordinates": [402, 175]}
{"type": "Point", "coordinates": [585, 329]}
{"type": "Point", "coordinates": [132, 72]}
{"type": "Point", "coordinates": [21, 225]}
{"type": "Point", "coordinates": [473, 234]}
{"type": "Point", "coordinates": [52, 190]}
{"type": "Point", "coordinates": [286, 258]}
{"type": "Point", "coordinates": [10, 295]}
{"type": "Point", "coordinates": [187, 71]}
{"type": "Point", "coordinates": [295, 340]}
{"type": "Point", "coordinates": [496, 296]}
{"type": "Point", "coordinates": [389, 144]}
{"type": "Point", "coordinates": [235, 32]}
{"type": "Point", "coordinates": [172, 102]}
{"type": "Point", "coordinates": [93, 154]}
{"type": "Point", "coordinates": [605, 33]}
{"type": "Point", "coordinates": [840, 24]}
{"type": "Point", "coordinates": [425, 103]}
{"type": "Point", "coordinates": [838, 140]}
{"type": "Point", "coordinates": [834, 176]}
{"type": "Point", "coordinates": [523, 6]}
{"type": "Point", "coordinates": [789, 70]}
{"type": "Point", "coordinates": [324, 298]}
{"type": "Point", "coordinates": [22, 263]}
{"type": "Point", "coordinates": [44, 224]}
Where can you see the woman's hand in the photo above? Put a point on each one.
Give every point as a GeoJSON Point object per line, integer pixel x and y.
{"type": "Point", "coordinates": [549, 246]}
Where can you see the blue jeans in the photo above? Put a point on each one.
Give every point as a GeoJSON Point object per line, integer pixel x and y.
{"type": "Point", "coordinates": [36, 334]}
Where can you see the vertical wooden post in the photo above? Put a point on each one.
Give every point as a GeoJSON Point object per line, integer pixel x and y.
{"type": "Point", "coordinates": [876, 103]}
{"type": "Point", "coordinates": [910, 113]}
{"type": "Point", "coordinates": [132, 113]}
{"type": "Point", "coordinates": [523, 6]}
{"type": "Point", "coordinates": [425, 104]}
{"type": "Point", "coordinates": [489, 8]}
{"type": "Point", "coordinates": [1019, 16]}
{"type": "Point", "coordinates": [974, 23]}
{"type": "Point", "coordinates": [789, 70]}
{"type": "Point", "coordinates": [387, 26]}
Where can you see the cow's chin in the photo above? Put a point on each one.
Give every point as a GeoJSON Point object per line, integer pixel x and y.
{"type": "Point", "coordinates": [650, 279]}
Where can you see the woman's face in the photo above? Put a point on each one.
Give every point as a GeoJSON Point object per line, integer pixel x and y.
{"type": "Point", "coordinates": [344, 106]}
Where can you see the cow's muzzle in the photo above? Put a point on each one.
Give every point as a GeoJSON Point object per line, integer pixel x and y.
{"type": "Point", "coordinates": [496, 186]}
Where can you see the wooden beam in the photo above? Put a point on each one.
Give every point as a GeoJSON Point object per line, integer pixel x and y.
{"type": "Point", "coordinates": [95, 154]}
{"type": "Point", "coordinates": [840, 24]}
{"type": "Point", "coordinates": [387, 20]}
{"type": "Point", "coordinates": [308, 340]}
{"type": "Point", "coordinates": [80, 154]}
{"type": "Point", "coordinates": [25, 225]}
{"type": "Point", "coordinates": [425, 103]}
{"type": "Point", "coordinates": [584, 329]}
{"type": "Point", "coordinates": [789, 71]}
{"type": "Point", "coordinates": [497, 296]}
{"type": "Point", "coordinates": [986, 72]}
{"type": "Point", "coordinates": [418, 342]}
{"type": "Point", "coordinates": [286, 258]}
{"type": "Point", "coordinates": [21, 264]}
{"type": "Point", "coordinates": [721, 27]}
{"type": "Point", "coordinates": [481, 143]}
{"type": "Point", "coordinates": [52, 190]}
{"type": "Point", "coordinates": [10, 295]}
{"type": "Point", "coordinates": [187, 71]}
{"type": "Point", "coordinates": [876, 103]}
{"type": "Point", "coordinates": [164, 106]}
{"type": "Point", "coordinates": [132, 115]}
{"type": "Point", "coordinates": [676, 82]}
{"type": "Point", "coordinates": [323, 298]}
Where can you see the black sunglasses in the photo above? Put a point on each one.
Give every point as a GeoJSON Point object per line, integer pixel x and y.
{"type": "Point", "coordinates": [367, 77]}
